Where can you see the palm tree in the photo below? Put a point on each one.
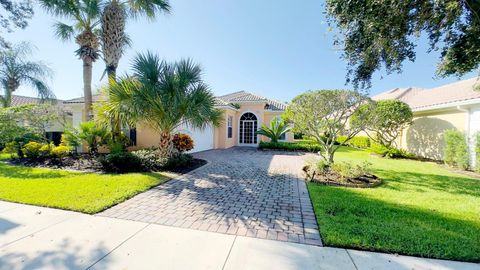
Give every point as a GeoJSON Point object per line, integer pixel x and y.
{"type": "Point", "coordinates": [114, 16]}
{"type": "Point", "coordinates": [16, 69]}
{"type": "Point", "coordinates": [84, 21]}
{"type": "Point", "coordinates": [275, 131]}
{"type": "Point", "coordinates": [114, 38]}
{"type": "Point", "coordinates": [164, 96]}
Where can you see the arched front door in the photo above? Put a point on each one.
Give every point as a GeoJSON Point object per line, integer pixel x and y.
{"type": "Point", "coordinates": [248, 129]}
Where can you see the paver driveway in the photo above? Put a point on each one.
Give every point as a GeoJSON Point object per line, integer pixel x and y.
{"type": "Point", "coordinates": [241, 191]}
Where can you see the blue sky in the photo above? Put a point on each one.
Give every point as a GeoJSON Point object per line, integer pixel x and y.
{"type": "Point", "coordinates": [275, 48]}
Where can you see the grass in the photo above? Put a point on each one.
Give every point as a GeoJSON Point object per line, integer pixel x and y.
{"type": "Point", "coordinates": [422, 209]}
{"type": "Point", "coordinates": [83, 192]}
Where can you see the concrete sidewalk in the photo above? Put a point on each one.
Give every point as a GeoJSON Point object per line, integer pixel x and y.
{"type": "Point", "coordinates": [42, 238]}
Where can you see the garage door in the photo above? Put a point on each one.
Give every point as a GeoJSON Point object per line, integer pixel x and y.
{"type": "Point", "coordinates": [202, 139]}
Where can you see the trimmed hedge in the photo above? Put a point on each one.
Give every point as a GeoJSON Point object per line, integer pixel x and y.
{"type": "Point", "coordinates": [308, 146]}
{"type": "Point", "coordinates": [456, 149]}
{"type": "Point", "coordinates": [361, 142]}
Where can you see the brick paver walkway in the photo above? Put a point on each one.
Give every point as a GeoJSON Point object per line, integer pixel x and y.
{"type": "Point", "coordinates": [241, 191]}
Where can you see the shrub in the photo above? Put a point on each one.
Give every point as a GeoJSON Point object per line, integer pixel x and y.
{"type": "Point", "coordinates": [121, 162]}
{"type": "Point", "coordinates": [275, 131]}
{"type": "Point", "coordinates": [150, 158]}
{"type": "Point", "coordinates": [11, 148]}
{"type": "Point", "coordinates": [347, 170]}
{"type": "Point", "coordinates": [46, 149]}
{"type": "Point", "coordinates": [32, 149]}
{"type": "Point", "coordinates": [93, 135]}
{"type": "Point", "coordinates": [182, 142]}
{"type": "Point", "coordinates": [456, 149]}
{"type": "Point", "coordinates": [390, 152]}
{"type": "Point", "coordinates": [24, 139]}
{"type": "Point", "coordinates": [308, 146]}
{"type": "Point", "coordinates": [60, 151]}
{"type": "Point", "coordinates": [70, 138]}
{"type": "Point", "coordinates": [178, 160]}
{"type": "Point", "coordinates": [361, 142]}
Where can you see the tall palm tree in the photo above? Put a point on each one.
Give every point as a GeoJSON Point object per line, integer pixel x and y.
{"type": "Point", "coordinates": [114, 38]}
{"type": "Point", "coordinates": [83, 24]}
{"type": "Point", "coordinates": [164, 96]}
{"type": "Point", "coordinates": [16, 69]}
{"type": "Point", "coordinates": [114, 17]}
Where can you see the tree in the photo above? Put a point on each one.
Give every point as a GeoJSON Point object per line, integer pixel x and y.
{"type": "Point", "coordinates": [324, 115]}
{"type": "Point", "coordinates": [275, 131]}
{"type": "Point", "coordinates": [15, 14]}
{"type": "Point", "coordinates": [373, 34]}
{"type": "Point", "coordinates": [162, 95]}
{"type": "Point", "coordinates": [16, 69]}
{"type": "Point", "coordinates": [26, 119]}
{"type": "Point", "coordinates": [386, 119]}
{"type": "Point", "coordinates": [114, 38]}
{"type": "Point", "coordinates": [83, 17]}
{"type": "Point", "coordinates": [114, 17]}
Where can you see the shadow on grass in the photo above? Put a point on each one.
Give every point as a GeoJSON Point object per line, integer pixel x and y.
{"type": "Point", "coordinates": [22, 172]}
{"type": "Point", "coordinates": [418, 181]}
{"type": "Point", "coordinates": [350, 219]}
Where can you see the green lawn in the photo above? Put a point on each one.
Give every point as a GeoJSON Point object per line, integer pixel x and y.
{"type": "Point", "coordinates": [83, 192]}
{"type": "Point", "coordinates": [422, 209]}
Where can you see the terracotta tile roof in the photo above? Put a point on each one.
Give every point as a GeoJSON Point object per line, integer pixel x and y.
{"type": "Point", "coordinates": [420, 98]}
{"type": "Point", "coordinates": [24, 100]}
{"type": "Point", "coordinates": [81, 99]}
{"type": "Point", "coordinates": [243, 96]}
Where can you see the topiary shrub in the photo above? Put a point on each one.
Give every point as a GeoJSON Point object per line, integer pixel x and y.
{"type": "Point", "coordinates": [121, 162]}
{"type": "Point", "coordinates": [362, 142]}
{"type": "Point", "coordinates": [60, 151]}
{"type": "Point", "coordinates": [182, 142]}
{"type": "Point", "coordinates": [32, 149]}
{"type": "Point", "coordinates": [456, 149]}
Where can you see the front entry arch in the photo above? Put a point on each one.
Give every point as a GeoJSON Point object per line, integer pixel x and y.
{"type": "Point", "coordinates": [248, 129]}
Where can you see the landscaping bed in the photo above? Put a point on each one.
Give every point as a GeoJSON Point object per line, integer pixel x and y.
{"type": "Point", "coordinates": [94, 164]}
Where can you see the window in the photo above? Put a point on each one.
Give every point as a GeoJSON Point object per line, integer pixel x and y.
{"type": "Point", "coordinates": [55, 137]}
{"type": "Point", "coordinates": [229, 127]}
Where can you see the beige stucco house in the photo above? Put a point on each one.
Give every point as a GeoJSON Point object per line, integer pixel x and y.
{"type": "Point", "coordinates": [451, 106]}
{"type": "Point", "coordinates": [243, 112]}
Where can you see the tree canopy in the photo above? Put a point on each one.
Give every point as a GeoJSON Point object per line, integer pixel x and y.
{"type": "Point", "coordinates": [325, 115]}
{"type": "Point", "coordinates": [377, 34]}
{"type": "Point", "coordinates": [14, 14]}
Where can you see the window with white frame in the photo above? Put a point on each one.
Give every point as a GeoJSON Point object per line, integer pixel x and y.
{"type": "Point", "coordinates": [229, 127]}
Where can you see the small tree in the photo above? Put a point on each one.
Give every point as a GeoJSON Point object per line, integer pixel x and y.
{"type": "Point", "coordinates": [325, 114]}
{"type": "Point", "coordinates": [385, 120]}
{"type": "Point", "coordinates": [275, 131]}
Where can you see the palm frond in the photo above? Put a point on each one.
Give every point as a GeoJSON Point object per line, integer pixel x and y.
{"type": "Point", "coordinates": [148, 8]}
{"type": "Point", "coordinates": [63, 31]}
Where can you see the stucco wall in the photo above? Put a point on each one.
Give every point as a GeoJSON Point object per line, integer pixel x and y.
{"type": "Point", "coordinates": [425, 136]}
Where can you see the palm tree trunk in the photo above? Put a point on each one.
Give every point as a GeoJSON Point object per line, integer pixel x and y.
{"type": "Point", "coordinates": [7, 99]}
{"type": "Point", "coordinates": [165, 144]}
{"type": "Point", "coordinates": [87, 87]}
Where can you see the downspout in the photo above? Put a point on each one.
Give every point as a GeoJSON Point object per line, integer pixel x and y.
{"type": "Point", "coordinates": [470, 146]}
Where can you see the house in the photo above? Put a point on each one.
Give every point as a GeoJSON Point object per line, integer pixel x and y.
{"type": "Point", "coordinates": [451, 106]}
{"type": "Point", "coordinates": [53, 130]}
{"type": "Point", "coordinates": [244, 113]}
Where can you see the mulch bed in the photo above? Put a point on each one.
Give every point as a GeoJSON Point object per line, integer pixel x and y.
{"type": "Point", "coordinates": [91, 163]}
{"type": "Point", "coordinates": [333, 179]}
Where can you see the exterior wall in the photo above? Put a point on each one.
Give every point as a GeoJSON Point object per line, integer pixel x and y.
{"type": "Point", "coordinates": [425, 136]}
{"type": "Point", "coordinates": [474, 123]}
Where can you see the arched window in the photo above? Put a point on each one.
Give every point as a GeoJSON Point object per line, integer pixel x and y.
{"type": "Point", "coordinates": [248, 128]}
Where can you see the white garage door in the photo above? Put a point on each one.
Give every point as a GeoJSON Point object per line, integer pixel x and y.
{"type": "Point", "coordinates": [202, 139]}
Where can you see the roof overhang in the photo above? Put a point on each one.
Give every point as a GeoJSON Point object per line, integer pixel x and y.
{"type": "Point", "coordinates": [443, 106]}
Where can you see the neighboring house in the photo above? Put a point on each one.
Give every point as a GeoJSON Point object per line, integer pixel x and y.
{"type": "Point", "coordinates": [244, 113]}
{"type": "Point", "coordinates": [53, 131]}
{"type": "Point", "coordinates": [452, 106]}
